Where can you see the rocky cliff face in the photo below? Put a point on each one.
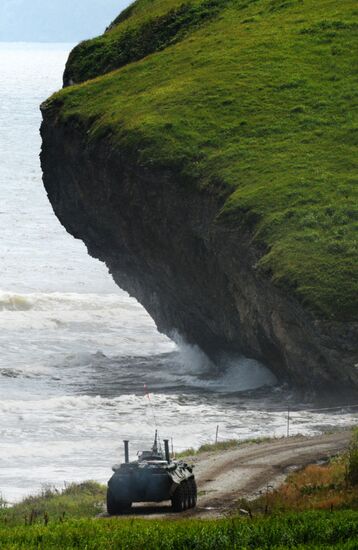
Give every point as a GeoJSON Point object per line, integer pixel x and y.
{"type": "Point", "coordinates": [194, 275]}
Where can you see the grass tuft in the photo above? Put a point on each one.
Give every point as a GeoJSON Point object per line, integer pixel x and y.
{"type": "Point", "coordinates": [51, 504]}
{"type": "Point", "coordinates": [222, 446]}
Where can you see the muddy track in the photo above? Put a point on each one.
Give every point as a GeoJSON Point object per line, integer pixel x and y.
{"type": "Point", "coordinates": [246, 471]}
{"type": "Point", "coordinates": [225, 477]}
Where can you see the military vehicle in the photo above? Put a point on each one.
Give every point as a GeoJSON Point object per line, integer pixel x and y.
{"type": "Point", "coordinates": [153, 477]}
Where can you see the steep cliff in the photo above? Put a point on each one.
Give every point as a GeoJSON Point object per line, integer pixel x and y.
{"type": "Point", "coordinates": [213, 171]}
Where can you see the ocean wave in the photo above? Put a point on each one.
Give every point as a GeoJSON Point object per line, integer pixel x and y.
{"type": "Point", "coordinates": [69, 403]}
{"type": "Point", "coordinates": [14, 302]}
{"type": "Point", "coordinates": [64, 301]}
{"type": "Point", "coordinates": [10, 373]}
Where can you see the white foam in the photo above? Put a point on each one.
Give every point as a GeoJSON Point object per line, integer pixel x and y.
{"type": "Point", "coordinates": [242, 374]}
{"type": "Point", "coordinates": [231, 375]}
{"type": "Point", "coordinates": [70, 301]}
{"type": "Point", "coordinates": [192, 359]}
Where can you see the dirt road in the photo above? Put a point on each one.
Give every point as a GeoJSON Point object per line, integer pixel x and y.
{"type": "Point", "coordinates": [224, 477]}
{"type": "Point", "coordinates": [246, 471]}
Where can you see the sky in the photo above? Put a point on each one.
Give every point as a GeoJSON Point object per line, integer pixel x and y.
{"type": "Point", "coordinates": [56, 20]}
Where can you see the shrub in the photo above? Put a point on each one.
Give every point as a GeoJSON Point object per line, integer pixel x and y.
{"type": "Point", "coordinates": [353, 460]}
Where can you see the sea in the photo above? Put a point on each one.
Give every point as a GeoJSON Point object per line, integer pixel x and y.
{"type": "Point", "coordinates": [82, 365]}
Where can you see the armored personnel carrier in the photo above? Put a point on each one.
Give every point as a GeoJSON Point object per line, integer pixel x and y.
{"type": "Point", "coordinates": [153, 477]}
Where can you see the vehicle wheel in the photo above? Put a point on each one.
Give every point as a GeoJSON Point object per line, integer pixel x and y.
{"type": "Point", "coordinates": [193, 492]}
{"type": "Point", "coordinates": [115, 507]}
{"type": "Point", "coordinates": [124, 507]}
{"type": "Point", "coordinates": [178, 499]}
{"type": "Point", "coordinates": [186, 495]}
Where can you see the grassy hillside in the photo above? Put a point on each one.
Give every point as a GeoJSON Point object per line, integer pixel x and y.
{"type": "Point", "coordinates": [250, 99]}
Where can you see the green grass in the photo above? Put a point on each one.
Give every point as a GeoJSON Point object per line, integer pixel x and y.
{"type": "Point", "coordinates": [255, 105]}
{"type": "Point", "coordinates": [352, 461]}
{"type": "Point", "coordinates": [84, 500]}
{"type": "Point", "coordinates": [307, 530]}
{"type": "Point", "coordinates": [210, 447]}
{"type": "Point", "coordinates": [128, 43]}
{"type": "Point", "coordinates": [221, 446]}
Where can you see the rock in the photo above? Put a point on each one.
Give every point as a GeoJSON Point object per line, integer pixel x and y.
{"type": "Point", "coordinates": [195, 276]}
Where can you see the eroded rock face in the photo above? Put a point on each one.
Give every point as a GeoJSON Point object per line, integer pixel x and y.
{"type": "Point", "coordinates": [162, 243]}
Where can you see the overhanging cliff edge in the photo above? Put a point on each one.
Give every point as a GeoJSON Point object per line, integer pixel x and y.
{"type": "Point", "coordinates": [214, 174]}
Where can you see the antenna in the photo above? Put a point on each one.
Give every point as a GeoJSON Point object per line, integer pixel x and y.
{"type": "Point", "coordinates": [151, 406]}
{"type": "Point", "coordinates": [157, 446]}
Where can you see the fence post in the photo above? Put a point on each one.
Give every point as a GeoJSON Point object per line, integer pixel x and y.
{"type": "Point", "coordinates": [217, 434]}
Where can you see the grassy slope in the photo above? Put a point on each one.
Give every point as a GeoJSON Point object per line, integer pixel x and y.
{"type": "Point", "coordinates": [318, 487]}
{"type": "Point", "coordinates": [221, 446]}
{"type": "Point", "coordinates": [140, 33]}
{"type": "Point", "coordinates": [83, 500]}
{"type": "Point", "coordinates": [256, 103]}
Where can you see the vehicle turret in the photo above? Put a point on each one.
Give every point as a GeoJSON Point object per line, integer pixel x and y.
{"type": "Point", "coordinates": [153, 477]}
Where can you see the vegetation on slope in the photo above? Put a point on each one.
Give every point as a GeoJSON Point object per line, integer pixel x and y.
{"type": "Point", "coordinates": [131, 43]}
{"type": "Point", "coordinates": [256, 105]}
{"type": "Point", "coordinates": [220, 446]}
{"type": "Point", "coordinates": [83, 500]}
{"type": "Point", "coordinates": [328, 486]}
{"type": "Point", "coordinates": [306, 530]}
